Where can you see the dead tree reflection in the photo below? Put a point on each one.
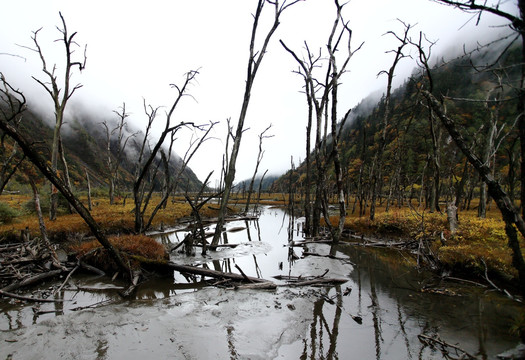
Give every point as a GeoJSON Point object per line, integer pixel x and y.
{"type": "Point", "coordinates": [403, 330]}
{"type": "Point", "coordinates": [230, 336]}
{"type": "Point", "coordinates": [376, 316]}
{"type": "Point", "coordinates": [320, 326]}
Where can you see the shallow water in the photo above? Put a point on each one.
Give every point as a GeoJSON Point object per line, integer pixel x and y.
{"type": "Point", "coordinates": [184, 318]}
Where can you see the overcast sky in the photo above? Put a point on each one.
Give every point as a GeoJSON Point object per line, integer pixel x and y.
{"type": "Point", "coordinates": [137, 48]}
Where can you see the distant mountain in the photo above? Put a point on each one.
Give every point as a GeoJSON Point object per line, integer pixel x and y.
{"type": "Point", "coordinates": [266, 184]}
{"type": "Point", "coordinates": [85, 148]}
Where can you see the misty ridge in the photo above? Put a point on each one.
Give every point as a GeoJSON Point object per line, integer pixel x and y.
{"type": "Point", "coordinates": [83, 119]}
{"type": "Point", "coordinates": [85, 137]}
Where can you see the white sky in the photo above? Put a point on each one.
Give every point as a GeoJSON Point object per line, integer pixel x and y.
{"type": "Point", "coordinates": [137, 48]}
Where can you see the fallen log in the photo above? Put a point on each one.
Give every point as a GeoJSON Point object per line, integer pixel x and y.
{"type": "Point", "coordinates": [258, 286]}
{"type": "Point", "coordinates": [258, 283]}
{"type": "Point", "coordinates": [236, 229]}
{"type": "Point", "coordinates": [231, 246]}
{"type": "Point", "coordinates": [168, 265]}
{"type": "Point", "coordinates": [31, 280]}
{"type": "Point", "coordinates": [306, 242]}
{"type": "Point", "coordinates": [319, 281]}
{"type": "Point", "coordinates": [27, 298]}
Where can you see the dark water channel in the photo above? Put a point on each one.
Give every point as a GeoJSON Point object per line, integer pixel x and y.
{"type": "Point", "coordinates": [185, 318]}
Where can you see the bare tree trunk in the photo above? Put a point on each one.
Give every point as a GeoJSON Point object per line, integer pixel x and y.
{"type": "Point", "coordinates": [254, 62]}
{"type": "Point", "coordinates": [88, 189]}
{"type": "Point", "coordinates": [66, 170]}
{"type": "Point", "coordinates": [510, 214]}
{"type": "Point", "coordinates": [377, 164]}
{"type": "Point", "coordinates": [60, 96]}
{"type": "Point", "coordinates": [436, 162]}
{"type": "Point", "coordinates": [42, 225]}
{"type": "Point", "coordinates": [259, 159]}
{"type": "Point", "coordinates": [259, 191]}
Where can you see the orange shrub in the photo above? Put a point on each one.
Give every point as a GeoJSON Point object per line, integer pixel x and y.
{"type": "Point", "coordinates": [140, 245]}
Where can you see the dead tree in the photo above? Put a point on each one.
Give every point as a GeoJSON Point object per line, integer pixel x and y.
{"type": "Point", "coordinates": [254, 62]}
{"type": "Point", "coordinates": [322, 97]}
{"type": "Point", "coordinates": [12, 105]}
{"type": "Point", "coordinates": [511, 216]}
{"type": "Point", "coordinates": [170, 183]}
{"type": "Point", "coordinates": [113, 160]}
{"type": "Point", "coordinates": [59, 93]}
{"type": "Point", "coordinates": [88, 181]}
{"type": "Point", "coordinates": [306, 68]}
{"type": "Point", "coordinates": [148, 163]}
{"type": "Point", "coordinates": [377, 163]}
{"type": "Point", "coordinates": [259, 159]}
{"type": "Point", "coordinates": [517, 24]}
{"type": "Point", "coordinates": [7, 125]}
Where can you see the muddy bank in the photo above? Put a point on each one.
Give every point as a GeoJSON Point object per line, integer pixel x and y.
{"type": "Point", "coordinates": [207, 324]}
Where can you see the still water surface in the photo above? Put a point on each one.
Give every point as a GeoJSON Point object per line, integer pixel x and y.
{"type": "Point", "coordinates": [184, 318]}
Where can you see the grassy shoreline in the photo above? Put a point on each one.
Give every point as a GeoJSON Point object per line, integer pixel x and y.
{"type": "Point", "coordinates": [478, 245]}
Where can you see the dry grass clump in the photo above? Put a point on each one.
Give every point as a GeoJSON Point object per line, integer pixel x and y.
{"type": "Point", "coordinates": [138, 245]}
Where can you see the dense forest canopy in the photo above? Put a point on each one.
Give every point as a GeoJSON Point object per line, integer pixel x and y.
{"type": "Point", "coordinates": [408, 173]}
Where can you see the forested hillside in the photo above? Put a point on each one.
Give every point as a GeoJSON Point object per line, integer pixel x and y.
{"type": "Point", "coordinates": [421, 162]}
{"type": "Point", "coordinates": [85, 149]}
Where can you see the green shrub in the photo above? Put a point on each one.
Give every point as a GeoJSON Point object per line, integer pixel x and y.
{"type": "Point", "coordinates": [7, 213]}
{"type": "Point", "coordinates": [29, 206]}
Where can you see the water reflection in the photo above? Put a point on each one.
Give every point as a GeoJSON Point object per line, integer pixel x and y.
{"type": "Point", "coordinates": [323, 334]}
{"type": "Point", "coordinates": [384, 293]}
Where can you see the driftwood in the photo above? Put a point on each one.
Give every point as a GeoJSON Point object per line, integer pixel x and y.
{"type": "Point", "coordinates": [28, 298]}
{"type": "Point", "coordinates": [211, 273]}
{"type": "Point", "coordinates": [319, 281]}
{"type": "Point", "coordinates": [306, 242]}
{"type": "Point", "coordinates": [137, 275]}
{"type": "Point", "coordinates": [258, 286]}
{"type": "Point", "coordinates": [32, 280]}
{"type": "Point", "coordinates": [254, 282]}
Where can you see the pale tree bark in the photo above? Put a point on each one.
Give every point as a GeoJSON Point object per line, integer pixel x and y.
{"type": "Point", "coordinates": [490, 137]}
{"type": "Point", "coordinates": [60, 94]}
{"type": "Point", "coordinates": [88, 190]}
{"type": "Point", "coordinates": [67, 178]}
{"type": "Point", "coordinates": [113, 161]}
{"type": "Point", "coordinates": [254, 62]}
{"type": "Point", "coordinates": [43, 231]}
{"type": "Point", "coordinates": [257, 163]}
{"type": "Point", "coordinates": [377, 163]}
{"type": "Point", "coordinates": [146, 158]}
{"type": "Point", "coordinates": [435, 134]}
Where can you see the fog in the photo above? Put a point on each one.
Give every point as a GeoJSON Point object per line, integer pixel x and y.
{"type": "Point", "coordinates": [135, 50]}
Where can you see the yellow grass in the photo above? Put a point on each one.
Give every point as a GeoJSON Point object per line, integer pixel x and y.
{"type": "Point", "coordinates": [112, 218]}
{"type": "Point", "coordinates": [475, 241]}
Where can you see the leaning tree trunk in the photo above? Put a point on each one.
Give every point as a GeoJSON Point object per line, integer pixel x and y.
{"type": "Point", "coordinates": [48, 172]}
{"type": "Point", "coordinates": [510, 214]}
{"type": "Point", "coordinates": [254, 61]}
